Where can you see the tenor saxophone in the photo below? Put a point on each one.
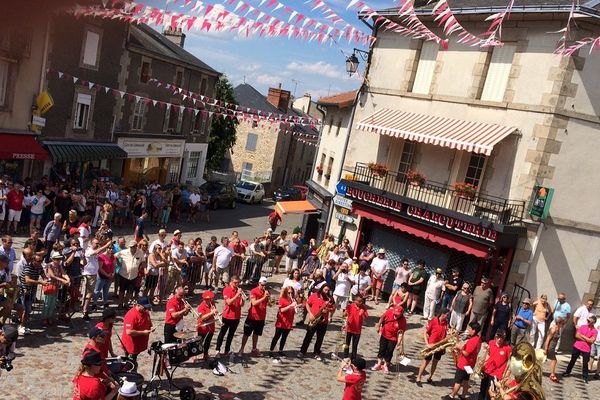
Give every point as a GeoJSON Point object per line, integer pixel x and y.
{"type": "Point", "coordinates": [450, 341]}
{"type": "Point", "coordinates": [319, 315]}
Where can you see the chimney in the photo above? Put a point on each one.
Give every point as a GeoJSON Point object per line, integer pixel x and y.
{"type": "Point", "coordinates": [279, 98]}
{"type": "Point", "coordinates": [175, 36]}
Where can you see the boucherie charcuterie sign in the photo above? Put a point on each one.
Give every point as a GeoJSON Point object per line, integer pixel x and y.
{"type": "Point", "coordinates": [440, 221]}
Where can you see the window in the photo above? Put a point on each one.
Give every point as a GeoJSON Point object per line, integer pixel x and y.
{"type": "Point", "coordinates": [203, 87]}
{"type": "Point", "coordinates": [425, 67]}
{"type": "Point", "coordinates": [246, 171]}
{"type": "Point", "coordinates": [330, 125]}
{"type": "Point", "coordinates": [330, 166]}
{"type": "Point", "coordinates": [91, 47]}
{"type": "Point", "coordinates": [498, 72]}
{"type": "Point", "coordinates": [171, 119]}
{"type": "Point", "coordinates": [82, 111]}
{"type": "Point", "coordinates": [338, 126]}
{"type": "Point", "coordinates": [322, 163]}
{"type": "Point", "coordinates": [475, 169]}
{"type": "Point", "coordinates": [251, 141]}
{"type": "Point", "coordinates": [178, 78]}
{"type": "Point", "coordinates": [138, 115]}
{"type": "Point", "coordinates": [406, 159]}
{"type": "Point", "coordinates": [145, 72]}
{"type": "Point", "coordinates": [193, 163]}
{"type": "Point", "coordinates": [4, 68]}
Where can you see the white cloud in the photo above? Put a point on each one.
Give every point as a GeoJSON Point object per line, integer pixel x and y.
{"type": "Point", "coordinates": [267, 79]}
{"type": "Point", "coordinates": [319, 68]}
{"type": "Point", "coordinates": [250, 67]}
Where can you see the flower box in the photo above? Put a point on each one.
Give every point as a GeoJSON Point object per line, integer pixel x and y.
{"type": "Point", "coordinates": [465, 190]}
{"type": "Point", "coordinates": [378, 169]}
{"type": "Point", "coordinates": [415, 178]}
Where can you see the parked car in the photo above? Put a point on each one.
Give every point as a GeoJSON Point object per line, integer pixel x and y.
{"type": "Point", "coordinates": [303, 190]}
{"type": "Point", "coordinates": [222, 194]}
{"type": "Point", "coordinates": [250, 192]}
{"type": "Point", "coordinates": [287, 193]}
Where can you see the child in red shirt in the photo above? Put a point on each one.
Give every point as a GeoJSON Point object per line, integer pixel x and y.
{"type": "Point", "coordinates": [466, 360]}
{"type": "Point", "coordinates": [355, 315]}
{"type": "Point", "coordinates": [285, 320]}
{"type": "Point", "coordinates": [355, 381]}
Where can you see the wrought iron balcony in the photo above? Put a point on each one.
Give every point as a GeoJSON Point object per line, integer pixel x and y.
{"type": "Point", "coordinates": [480, 205]}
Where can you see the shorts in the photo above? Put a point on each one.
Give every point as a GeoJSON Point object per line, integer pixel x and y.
{"type": "Point", "coordinates": [222, 274]}
{"type": "Point", "coordinates": [341, 302]}
{"type": "Point", "coordinates": [395, 286]}
{"type": "Point", "coordinates": [461, 376]}
{"type": "Point", "coordinates": [206, 268]}
{"type": "Point", "coordinates": [127, 285]}
{"type": "Point", "coordinates": [252, 326]}
{"type": "Point", "coordinates": [552, 354]}
{"type": "Point", "coordinates": [416, 290]}
{"type": "Point", "coordinates": [14, 215]}
{"type": "Point", "coordinates": [595, 352]}
{"type": "Point", "coordinates": [89, 284]}
{"type": "Point", "coordinates": [378, 283]}
{"type": "Point", "coordinates": [437, 355]}
{"type": "Point", "coordinates": [35, 216]}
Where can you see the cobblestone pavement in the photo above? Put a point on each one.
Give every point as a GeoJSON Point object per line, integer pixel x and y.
{"type": "Point", "coordinates": [48, 359]}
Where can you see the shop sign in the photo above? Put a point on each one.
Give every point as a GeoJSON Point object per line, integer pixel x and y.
{"type": "Point", "coordinates": [23, 156]}
{"type": "Point", "coordinates": [39, 121]}
{"type": "Point", "coordinates": [346, 218]}
{"type": "Point", "coordinates": [138, 148]}
{"type": "Point", "coordinates": [375, 199]}
{"type": "Point", "coordinates": [452, 224]}
{"type": "Point", "coordinates": [44, 102]}
{"type": "Point", "coordinates": [342, 202]}
{"type": "Point", "coordinates": [541, 202]}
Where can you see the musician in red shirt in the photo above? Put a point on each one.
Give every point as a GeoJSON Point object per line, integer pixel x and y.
{"type": "Point", "coordinates": [207, 312]}
{"type": "Point", "coordinates": [496, 360]}
{"type": "Point", "coordinates": [255, 322]}
{"type": "Point", "coordinates": [321, 301]}
{"type": "Point", "coordinates": [355, 381]}
{"type": "Point", "coordinates": [391, 327]}
{"type": "Point", "coordinates": [355, 314]}
{"type": "Point", "coordinates": [108, 320]}
{"type": "Point", "coordinates": [285, 320]}
{"type": "Point", "coordinates": [467, 359]}
{"type": "Point", "coordinates": [137, 328]}
{"type": "Point", "coordinates": [232, 313]}
{"type": "Point", "coordinates": [176, 309]}
{"type": "Point", "coordinates": [434, 332]}
{"type": "Point", "coordinates": [88, 383]}
{"type": "Point", "coordinates": [97, 338]}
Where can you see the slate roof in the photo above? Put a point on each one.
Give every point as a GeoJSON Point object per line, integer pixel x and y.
{"type": "Point", "coordinates": [341, 100]}
{"type": "Point", "coordinates": [154, 42]}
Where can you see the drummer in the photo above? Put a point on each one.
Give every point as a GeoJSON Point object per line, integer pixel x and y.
{"type": "Point", "coordinates": [176, 309]}
{"type": "Point", "coordinates": [96, 343]}
{"type": "Point", "coordinates": [206, 320]}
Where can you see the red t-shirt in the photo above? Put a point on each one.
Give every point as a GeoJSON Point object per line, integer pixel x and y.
{"type": "Point", "coordinates": [285, 319]}
{"type": "Point", "coordinates": [90, 346]}
{"type": "Point", "coordinates": [496, 363]}
{"type": "Point", "coordinates": [204, 309]}
{"type": "Point", "coordinates": [108, 263]}
{"type": "Point", "coordinates": [14, 198]}
{"type": "Point", "coordinates": [472, 348]}
{"type": "Point", "coordinates": [354, 386]}
{"type": "Point", "coordinates": [106, 345]}
{"type": "Point", "coordinates": [259, 311]}
{"type": "Point", "coordinates": [436, 330]}
{"type": "Point", "coordinates": [391, 326]}
{"type": "Point", "coordinates": [88, 388]}
{"type": "Point", "coordinates": [315, 303]}
{"type": "Point", "coordinates": [356, 316]}
{"type": "Point", "coordinates": [233, 310]}
{"type": "Point", "coordinates": [138, 322]}
{"type": "Point", "coordinates": [174, 304]}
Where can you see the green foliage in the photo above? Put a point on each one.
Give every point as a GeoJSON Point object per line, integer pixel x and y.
{"type": "Point", "coordinates": [223, 130]}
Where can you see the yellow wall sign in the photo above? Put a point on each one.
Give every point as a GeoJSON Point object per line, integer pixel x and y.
{"type": "Point", "coordinates": [44, 102]}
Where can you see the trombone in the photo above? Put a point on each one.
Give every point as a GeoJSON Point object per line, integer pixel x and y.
{"type": "Point", "coordinates": [194, 312]}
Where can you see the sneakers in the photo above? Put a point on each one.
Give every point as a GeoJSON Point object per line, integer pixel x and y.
{"type": "Point", "coordinates": [276, 361]}
{"type": "Point", "coordinates": [255, 353]}
{"type": "Point", "coordinates": [23, 330]}
{"type": "Point", "coordinates": [318, 357]}
{"type": "Point", "coordinates": [385, 369]}
{"type": "Point", "coordinates": [376, 367]}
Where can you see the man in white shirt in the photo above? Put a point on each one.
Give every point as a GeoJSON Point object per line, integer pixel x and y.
{"type": "Point", "coordinates": [90, 272]}
{"type": "Point", "coordinates": [221, 261]}
{"type": "Point", "coordinates": [583, 313]}
{"type": "Point", "coordinates": [194, 203]}
{"type": "Point", "coordinates": [433, 294]}
{"type": "Point", "coordinates": [342, 287]}
{"type": "Point", "coordinates": [379, 267]}
{"type": "Point", "coordinates": [361, 283]}
{"type": "Point", "coordinates": [162, 241]}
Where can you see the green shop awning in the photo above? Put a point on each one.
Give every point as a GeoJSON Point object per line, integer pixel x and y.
{"type": "Point", "coordinates": [84, 151]}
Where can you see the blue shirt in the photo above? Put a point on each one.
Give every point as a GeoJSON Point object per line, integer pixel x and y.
{"type": "Point", "coordinates": [525, 314]}
{"type": "Point", "coordinates": [561, 310]}
{"type": "Point", "coordinates": [12, 256]}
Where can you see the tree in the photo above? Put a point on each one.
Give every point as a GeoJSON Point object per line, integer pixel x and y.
{"type": "Point", "coordinates": [223, 130]}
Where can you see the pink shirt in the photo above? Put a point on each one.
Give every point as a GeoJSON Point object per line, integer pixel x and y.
{"type": "Point", "coordinates": [588, 332]}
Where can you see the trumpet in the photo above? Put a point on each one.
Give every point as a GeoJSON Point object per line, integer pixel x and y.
{"type": "Point", "coordinates": [243, 294]}
{"type": "Point", "coordinates": [194, 312]}
{"type": "Point", "coordinates": [271, 301]}
{"type": "Point", "coordinates": [218, 315]}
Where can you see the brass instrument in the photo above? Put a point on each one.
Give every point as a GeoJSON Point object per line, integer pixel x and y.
{"type": "Point", "coordinates": [451, 340]}
{"type": "Point", "coordinates": [526, 367]}
{"type": "Point", "coordinates": [243, 294]}
{"type": "Point", "coordinates": [478, 369]}
{"type": "Point", "coordinates": [319, 315]}
{"type": "Point", "coordinates": [271, 301]}
{"type": "Point", "coordinates": [194, 312]}
{"type": "Point", "coordinates": [218, 315]}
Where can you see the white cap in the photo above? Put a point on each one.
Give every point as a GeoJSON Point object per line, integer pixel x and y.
{"type": "Point", "coordinates": [262, 280]}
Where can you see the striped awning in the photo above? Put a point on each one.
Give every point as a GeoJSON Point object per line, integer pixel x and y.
{"type": "Point", "coordinates": [476, 137]}
{"type": "Point", "coordinates": [84, 151]}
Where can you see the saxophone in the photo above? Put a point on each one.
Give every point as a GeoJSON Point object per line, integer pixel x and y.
{"type": "Point", "coordinates": [451, 340]}
{"type": "Point", "coordinates": [319, 315]}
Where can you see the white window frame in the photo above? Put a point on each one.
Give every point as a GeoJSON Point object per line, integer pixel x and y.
{"type": "Point", "coordinates": [139, 109]}
{"type": "Point", "coordinates": [4, 74]}
{"type": "Point", "coordinates": [83, 105]}
{"type": "Point", "coordinates": [251, 141]}
{"type": "Point", "coordinates": [246, 171]}
{"type": "Point", "coordinates": [193, 164]}
{"type": "Point", "coordinates": [90, 47]}
{"type": "Point", "coordinates": [425, 67]}
{"type": "Point", "coordinates": [498, 72]}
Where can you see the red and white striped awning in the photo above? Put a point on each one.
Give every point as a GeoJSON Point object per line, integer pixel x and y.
{"type": "Point", "coordinates": [476, 137]}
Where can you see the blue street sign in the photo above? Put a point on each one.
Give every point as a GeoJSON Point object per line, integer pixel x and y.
{"type": "Point", "coordinates": [341, 189]}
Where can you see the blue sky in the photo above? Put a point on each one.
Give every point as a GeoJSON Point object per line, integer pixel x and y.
{"type": "Point", "coordinates": [318, 69]}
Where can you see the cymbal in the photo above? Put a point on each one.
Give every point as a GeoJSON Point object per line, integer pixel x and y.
{"type": "Point", "coordinates": [184, 335]}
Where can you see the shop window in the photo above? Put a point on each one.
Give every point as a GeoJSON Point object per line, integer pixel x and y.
{"type": "Point", "coordinates": [193, 163]}
{"type": "Point", "coordinates": [251, 142]}
{"type": "Point", "coordinates": [246, 171]}
{"type": "Point", "coordinates": [475, 169]}
{"type": "Point", "coordinates": [406, 159]}
{"type": "Point", "coordinates": [138, 116]}
{"type": "Point", "coordinates": [90, 48]}
{"type": "Point", "coordinates": [145, 72]}
{"type": "Point", "coordinates": [174, 170]}
{"type": "Point", "coordinates": [82, 111]}
{"type": "Point", "coordinates": [425, 67]}
{"type": "Point", "coordinates": [4, 70]}
{"type": "Point", "coordinates": [498, 72]}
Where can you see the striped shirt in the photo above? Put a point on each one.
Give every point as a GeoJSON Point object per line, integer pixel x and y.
{"type": "Point", "coordinates": [32, 272]}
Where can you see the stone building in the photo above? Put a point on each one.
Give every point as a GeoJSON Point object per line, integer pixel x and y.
{"type": "Point", "coordinates": [505, 120]}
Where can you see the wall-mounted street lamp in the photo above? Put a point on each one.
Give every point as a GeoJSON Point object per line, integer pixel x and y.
{"type": "Point", "coordinates": [352, 61]}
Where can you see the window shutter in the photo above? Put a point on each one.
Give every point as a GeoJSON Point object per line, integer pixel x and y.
{"type": "Point", "coordinates": [498, 73]}
{"type": "Point", "coordinates": [425, 68]}
{"type": "Point", "coordinates": [90, 51]}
